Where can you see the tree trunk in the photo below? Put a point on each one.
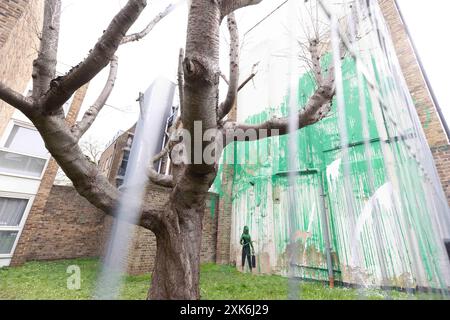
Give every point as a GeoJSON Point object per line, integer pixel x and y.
{"type": "Point", "coordinates": [177, 266]}
{"type": "Point", "coordinates": [176, 273]}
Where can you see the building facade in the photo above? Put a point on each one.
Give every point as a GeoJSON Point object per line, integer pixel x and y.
{"type": "Point", "coordinates": [26, 168]}
{"type": "Point", "coordinates": [23, 157]}
{"type": "Point", "coordinates": [35, 225]}
{"type": "Point", "coordinates": [114, 163]}
{"type": "Point", "coordinates": [114, 160]}
{"type": "Point", "coordinates": [53, 232]}
{"type": "Point", "coordinates": [20, 25]}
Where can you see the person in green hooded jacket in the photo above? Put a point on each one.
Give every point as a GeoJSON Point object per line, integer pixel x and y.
{"type": "Point", "coordinates": [246, 242]}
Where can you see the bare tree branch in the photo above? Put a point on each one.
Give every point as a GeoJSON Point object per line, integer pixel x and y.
{"type": "Point", "coordinates": [139, 35]}
{"type": "Point", "coordinates": [57, 133]}
{"type": "Point", "coordinates": [181, 79]}
{"type": "Point", "coordinates": [315, 58]}
{"type": "Point", "coordinates": [157, 178]}
{"type": "Point", "coordinates": [224, 77]}
{"type": "Point", "coordinates": [316, 109]}
{"type": "Point", "coordinates": [85, 175]}
{"type": "Point", "coordinates": [91, 114]}
{"type": "Point", "coordinates": [15, 99]}
{"type": "Point", "coordinates": [178, 226]}
{"type": "Point", "coordinates": [229, 6]}
{"type": "Point", "coordinates": [244, 83]}
{"type": "Point", "coordinates": [230, 101]}
{"type": "Point", "coordinates": [250, 77]}
{"type": "Point", "coordinates": [92, 150]}
{"type": "Point", "coordinates": [83, 126]}
{"type": "Point", "coordinates": [167, 181]}
{"type": "Point", "coordinates": [62, 88]}
{"type": "Point", "coordinates": [44, 67]}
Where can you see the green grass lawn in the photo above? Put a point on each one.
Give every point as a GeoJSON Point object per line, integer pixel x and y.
{"type": "Point", "coordinates": [48, 280]}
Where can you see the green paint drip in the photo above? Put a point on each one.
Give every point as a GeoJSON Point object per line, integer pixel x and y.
{"type": "Point", "coordinates": [319, 147]}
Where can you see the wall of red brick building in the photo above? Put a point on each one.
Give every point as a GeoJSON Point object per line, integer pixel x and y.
{"type": "Point", "coordinates": [143, 248]}
{"type": "Point", "coordinates": [43, 234]}
{"type": "Point", "coordinates": [70, 227]}
{"type": "Point", "coordinates": [111, 159]}
{"type": "Point", "coordinates": [37, 213]}
{"type": "Point", "coordinates": [20, 24]}
{"type": "Point", "coordinates": [225, 207]}
{"type": "Point", "coordinates": [426, 109]}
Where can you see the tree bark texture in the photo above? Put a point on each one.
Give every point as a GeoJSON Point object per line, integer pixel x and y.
{"type": "Point", "coordinates": [178, 228]}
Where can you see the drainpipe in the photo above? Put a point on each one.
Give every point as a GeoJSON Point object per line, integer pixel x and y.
{"type": "Point", "coordinates": [326, 235]}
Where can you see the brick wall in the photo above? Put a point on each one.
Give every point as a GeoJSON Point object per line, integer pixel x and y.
{"type": "Point", "coordinates": [69, 227]}
{"type": "Point", "coordinates": [111, 159]}
{"type": "Point", "coordinates": [42, 237]}
{"type": "Point", "coordinates": [143, 248]}
{"type": "Point", "coordinates": [225, 207]}
{"type": "Point", "coordinates": [442, 158]}
{"type": "Point", "coordinates": [209, 236]}
{"type": "Point", "coordinates": [429, 117]}
{"type": "Point", "coordinates": [20, 24]}
{"type": "Point", "coordinates": [413, 75]}
{"type": "Point", "coordinates": [11, 11]}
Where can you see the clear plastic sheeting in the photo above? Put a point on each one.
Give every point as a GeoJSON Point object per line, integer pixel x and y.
{"type": "Point", "coordinates": [155, 105]}
{"type": "Point", "coordinates": [355, 198]}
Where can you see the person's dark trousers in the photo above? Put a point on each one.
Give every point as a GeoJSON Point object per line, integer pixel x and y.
{"type": "Point", "coordinates": [246, 254]}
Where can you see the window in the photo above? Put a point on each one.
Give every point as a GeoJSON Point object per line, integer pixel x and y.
{"type": "Point", "coordinates": [24, 153]}
{"type": "Point", "coordinates": [12, 212]}
{"type": "Point", "coordinates": [17, 164]}
{"type": "Point", "coordinates": [126, 155]}
{"type": "Point", "coordinates": [124, 164]}
{"type": "Point", "coordinates": [27, 141]}
{"type": "Point", "coordinates": [7, 240]}
{"type": "Point", "coordinates": [129, 141]}
{"type": "Point", "coordinates": [119, 182]}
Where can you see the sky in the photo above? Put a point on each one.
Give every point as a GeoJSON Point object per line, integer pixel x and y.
{"type": "Point", "coordinates": [428, 23]}
{"type": "Point", "coordinates": [83, 22]}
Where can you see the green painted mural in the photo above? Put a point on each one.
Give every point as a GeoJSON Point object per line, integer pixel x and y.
{"type": "Point", "coordinates": [390, 240]}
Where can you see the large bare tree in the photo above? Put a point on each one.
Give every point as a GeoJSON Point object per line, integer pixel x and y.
{"type": "Point", "coordinates": [178, 228]}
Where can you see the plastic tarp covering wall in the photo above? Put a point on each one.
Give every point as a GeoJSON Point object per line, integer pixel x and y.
{"type": "Point", "coordinates": [387, 224]}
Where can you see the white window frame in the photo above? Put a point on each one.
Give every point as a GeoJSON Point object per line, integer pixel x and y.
{"type": "Point", "coordinates": [19, 229]}
{"type": "Point", "coordinates": [5, 137]}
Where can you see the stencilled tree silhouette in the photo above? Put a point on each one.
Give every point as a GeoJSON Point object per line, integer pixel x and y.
{"type": "Point", "coordinates": [178, 228]}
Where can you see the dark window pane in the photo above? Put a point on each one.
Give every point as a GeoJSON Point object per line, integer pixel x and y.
{"type": "Point", "coordinates": [7, 239]}
{"type": "Point", "coordinates": [11, 211]}
{"type": "Point", "coordinates": [18, 164]}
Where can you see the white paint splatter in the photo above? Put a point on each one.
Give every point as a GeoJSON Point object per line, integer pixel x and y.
{"type": "Point", "coordinates": [333, 170]}
{"type": "Point", "coordinates": [383, 196]}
